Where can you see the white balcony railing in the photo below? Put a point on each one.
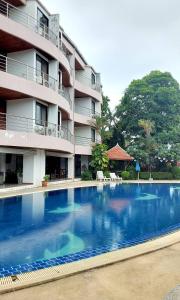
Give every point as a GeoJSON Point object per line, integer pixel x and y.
{"type": "Point", "coordinates": [86, 111]}
{"type": "Point", "coordinates": [9, 122]}
{"type": "Point", "coordinates": [84, 141]}
{"type": "Point", "coordinates": [63, 91]}
{"type": "Point", "coordinates": [87, 81]}
{"type": "Point", "coordinates": [25, 71]}
{"type": "Point", "coordinates": [27, 20]}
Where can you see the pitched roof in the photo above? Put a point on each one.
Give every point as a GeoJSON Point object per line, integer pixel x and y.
{"type": "Point", "coordinates": [117, 153]}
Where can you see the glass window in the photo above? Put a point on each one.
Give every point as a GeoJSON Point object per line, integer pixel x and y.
{"type": "Point", "coordinates": [41, 114]}
{"type": "Point", "coordinates": [42, 19]}
{"type": "Point", "coordinates": [42, 65]}
{"type": "Point", "coordinates": [60, 79]}
{"type": "Point", "coordinates": [93, 78]}
{"type": "Point", "coordinates": [93, 135]}
{"type": "Point", "coordinates": [59, 118]}
{"type": "Point", "coordinates": [93, 107]}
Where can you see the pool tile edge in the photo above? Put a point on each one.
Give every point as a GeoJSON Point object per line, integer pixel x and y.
{"type": "Point", "coordinates": [43, 276]}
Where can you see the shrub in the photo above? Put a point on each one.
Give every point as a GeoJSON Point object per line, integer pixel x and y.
{"type": "Point", "coordinates": [133, 173]}
{"type": "Point", "coordinates": [86, 175]}
{"type": "Point", "coordinates": [99, 158]}
{"type": "Point", "coordinates": [156, 175]}
{"type": "Point", "coordinates": [176, 172]}
{"type": "Point", "coordinates": [107, 174]}
{"type": "Point", "coordinates": [144, 175]}
{"type": "Point", "coordinates": [125, 175]}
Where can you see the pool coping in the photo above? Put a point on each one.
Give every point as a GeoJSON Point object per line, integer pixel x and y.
{"type": "Point", "coordinates": [43, 276]}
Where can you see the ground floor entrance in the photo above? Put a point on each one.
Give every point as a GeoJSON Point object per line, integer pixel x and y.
{"type": "Point", "coordinates": [29, 166]}
{"type": "Point", "coordinates": [11, 168]}
{"type": "Point", "coordinates": [57, 167]}
{"type": "Point", "coordinates": [81, 164]}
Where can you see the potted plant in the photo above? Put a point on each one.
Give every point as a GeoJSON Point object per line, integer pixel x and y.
{"type": "Point", "coordinates": [45, 181]}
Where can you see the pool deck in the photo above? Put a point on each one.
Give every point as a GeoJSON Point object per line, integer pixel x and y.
{"type": "Point", "coordinates": [14, 191]}
{"type": "Point", "coordinates": [146, 271]}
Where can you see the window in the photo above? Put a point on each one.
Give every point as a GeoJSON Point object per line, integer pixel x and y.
{"type": "Point", "coordinates": [41, 114]}
{"type": "Point", "coordinates": [42, 20]}
{"type": "Point", "coordinates": [59, 119]}
{"type": "Point", "coordinates": [60, 79]}
{"type": "Point", "coordinates": [42, 65]}
{"type": "Point", "coordinates": [93, 107]}
{"type": "Point", "coordinates": [42, 70]}
{"type": "Point", "coordinates": [93, 78]}
{"type": "Point", "coordinates": [93, 135]}
{"type": "Point", "coordinates": [60, 38]}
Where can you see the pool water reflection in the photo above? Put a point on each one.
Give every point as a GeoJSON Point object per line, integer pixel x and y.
{"type": "Point", "coordinates": [43, 226]}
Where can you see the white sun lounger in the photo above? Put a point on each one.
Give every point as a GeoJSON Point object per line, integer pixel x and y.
{"type": "Point", "coordinates": [114, 177]}
{"type": "Point", "coordinates": [100, 176]}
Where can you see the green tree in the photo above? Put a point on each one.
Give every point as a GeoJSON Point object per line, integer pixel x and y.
{"type": "Point", "coordinates": [155, 97]}
{"type": "Point", "coordinates": [149, 142]}
{"type": "Point", "coordinates": [99, 158]}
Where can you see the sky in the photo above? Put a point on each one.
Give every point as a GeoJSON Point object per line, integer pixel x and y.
{"type": "Point", "coordinates": [123, 39]}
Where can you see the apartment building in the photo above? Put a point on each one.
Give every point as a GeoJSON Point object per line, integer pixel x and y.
{"type": "Point", "coordinates": [49, 97]}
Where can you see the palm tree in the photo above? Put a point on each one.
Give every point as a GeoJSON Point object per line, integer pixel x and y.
{"type": "Point", "coordinates": [148, 127]}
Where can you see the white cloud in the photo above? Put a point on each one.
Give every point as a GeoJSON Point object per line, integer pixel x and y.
{"type": "Point", "coordinates": [123, 39]}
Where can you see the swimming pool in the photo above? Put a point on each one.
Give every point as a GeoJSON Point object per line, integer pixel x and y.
{"type": "Point", "coordinates": [46, 229]}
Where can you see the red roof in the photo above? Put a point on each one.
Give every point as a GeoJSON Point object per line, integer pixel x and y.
{"type": "Point", "coordinates": [117, 153]}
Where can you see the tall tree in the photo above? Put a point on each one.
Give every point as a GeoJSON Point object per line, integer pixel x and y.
{"type": "Point", "coordinates": [155, 97]}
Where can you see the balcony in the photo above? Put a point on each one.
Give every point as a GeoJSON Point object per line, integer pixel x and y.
{"type": "Point", "coordinates": [83, 145]}
{"type": "Point", "coordinates": [87, 81]}
{"type": "Point", "coordinates": [9, 122]}
{"type": "Point", "coordinates": [27, 72]}
{"type": "Point", "coordinates": [27, 20]}
{"type": "Point", "coordinates": [86, 111]}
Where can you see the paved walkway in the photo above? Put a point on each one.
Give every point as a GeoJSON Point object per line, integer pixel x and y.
{"type": "Point", "coordinates": [149, 277]}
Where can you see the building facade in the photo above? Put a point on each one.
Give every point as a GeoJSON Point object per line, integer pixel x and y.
{"type": "Point", "coordinates": [49, 97]}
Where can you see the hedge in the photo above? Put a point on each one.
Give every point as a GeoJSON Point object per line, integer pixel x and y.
{"type": "Point", "coordinates": [176, 172]}
{"type": "Point", "coordinates": [156, 175]}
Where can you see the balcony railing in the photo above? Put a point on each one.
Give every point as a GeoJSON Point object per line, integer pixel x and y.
{"type": "Point", "coordinates": [63, 91]}
{"type": "Point", "coordinates": [86, 111]}
{"type": "Point", "coordinates": [27, 20]}
{"type": "Point", "coordinates": [11, 122]}
{"type": "Point", "coordinates": [64, 50]}
{"type": "Point", "coordinates": [87, 81]}
{"type": "Point", "coordinates": [25, 71]}
{"type": "Point", "coordinates": [84, 141]}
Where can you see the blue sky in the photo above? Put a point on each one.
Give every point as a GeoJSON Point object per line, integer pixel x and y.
{"type": "Point", "coordinates": [123, 39]}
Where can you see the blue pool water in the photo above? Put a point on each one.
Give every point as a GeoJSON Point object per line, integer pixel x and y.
{"type": "Point", "coordinates": [45, 229]}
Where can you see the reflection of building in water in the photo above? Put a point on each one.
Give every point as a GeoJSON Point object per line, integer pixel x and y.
{"type": "Point", "coordinates": [33, 209]}
{"type": "Point", "coordinates": [70, 196]}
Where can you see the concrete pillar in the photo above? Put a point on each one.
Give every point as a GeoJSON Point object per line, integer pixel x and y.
{"type": "Point", "coordinates": [34, 167]}
{"type": "Point", "coordinates": [39, 166]}
{"type": "Point", "coordinates": [71, 167]}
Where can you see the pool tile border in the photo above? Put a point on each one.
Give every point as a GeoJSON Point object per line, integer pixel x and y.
{"type": "Point", "coordinates": [85, 254]}
{"type": "Point", "coordinates": [56, 272]}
